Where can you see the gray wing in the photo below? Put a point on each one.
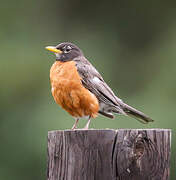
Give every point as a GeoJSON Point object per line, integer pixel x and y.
{"type": "Point", "coordinates": [109, 103]}
{"type": "Point", "coordinates": [93, 81]}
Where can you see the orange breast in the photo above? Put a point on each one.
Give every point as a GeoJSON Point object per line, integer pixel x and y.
{"type": "Point", "coordinates": [69, 92]}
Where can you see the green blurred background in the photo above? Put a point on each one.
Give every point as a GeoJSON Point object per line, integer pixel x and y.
{"type": "Point", "coordinates": [131, 43]}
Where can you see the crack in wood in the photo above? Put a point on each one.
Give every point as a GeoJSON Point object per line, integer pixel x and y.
{"type": "Point", "coordinates": [109, 154]}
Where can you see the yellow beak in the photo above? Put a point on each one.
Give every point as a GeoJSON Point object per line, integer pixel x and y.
{"type": "Point", "coordinates": [53, 49]}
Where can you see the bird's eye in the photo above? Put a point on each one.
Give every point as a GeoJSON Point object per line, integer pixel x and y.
{"type": "Point", "coordinates": [67, 49]}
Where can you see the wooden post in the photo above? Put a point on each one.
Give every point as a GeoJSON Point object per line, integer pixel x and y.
{"type": "Point", "coordinates": [124, 154]}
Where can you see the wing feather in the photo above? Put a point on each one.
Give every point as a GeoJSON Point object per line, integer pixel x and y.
{"type": "Point", "coordinates": [93, 81]}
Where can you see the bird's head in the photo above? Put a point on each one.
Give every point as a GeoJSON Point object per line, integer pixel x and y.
{"type": "Point", "coordinates": [65, 51]}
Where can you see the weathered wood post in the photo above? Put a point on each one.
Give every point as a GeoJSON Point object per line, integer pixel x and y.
{"type": "Point", "coordinates": [124, 154]}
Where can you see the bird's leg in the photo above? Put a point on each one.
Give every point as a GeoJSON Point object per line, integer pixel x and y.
{"type": "Point", "coordinates": [75, 125]}
{"type": "Point", "coordinates": [88, 122]}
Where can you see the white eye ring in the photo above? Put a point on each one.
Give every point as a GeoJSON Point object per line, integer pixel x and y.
{"type": "Point", "coordinates": [67, 49]}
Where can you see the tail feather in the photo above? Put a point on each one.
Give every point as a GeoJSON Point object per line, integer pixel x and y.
{"type": "Point", "coordinates": [140, 116]}
{"type": "Point", "coordinates": [107, 114]}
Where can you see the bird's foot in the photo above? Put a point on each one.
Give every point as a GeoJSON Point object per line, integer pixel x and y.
{"type": "Point", "coordinates": [75, 125]}
{"type": "Point", "coordinates": [87, 125]}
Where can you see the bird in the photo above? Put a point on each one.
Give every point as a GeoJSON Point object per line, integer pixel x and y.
{"type": "Point", "coordinates": [79, 88]}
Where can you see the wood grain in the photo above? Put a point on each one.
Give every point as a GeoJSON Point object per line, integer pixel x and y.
{"type": "Point", "coordinates": [125, 154]}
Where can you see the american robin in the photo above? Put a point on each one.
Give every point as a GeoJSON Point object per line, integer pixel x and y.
{"type": "Point", "coordinates": [79, 88]}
